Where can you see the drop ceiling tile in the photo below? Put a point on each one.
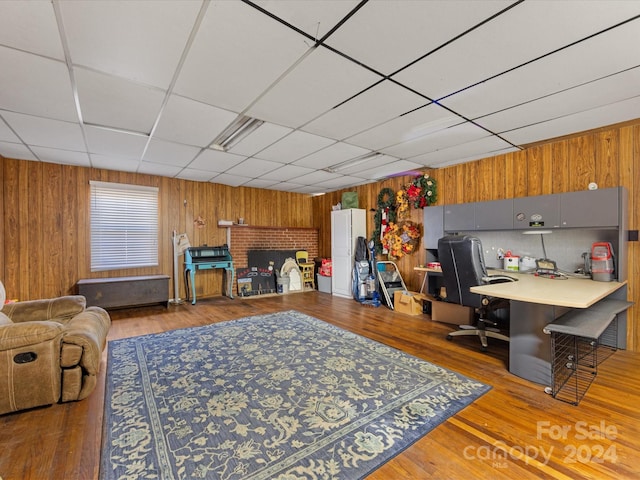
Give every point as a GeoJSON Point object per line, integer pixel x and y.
{"type": "Point", "coordinates": [383, 102]}
{"type": "Point", "coordinates": [610, 52]}
{"type": "Point", "coordinates": [114, 102]}
{"type": "Point", "coordinates": [237, 53]}
{"type": "Point", "coordinates": [115, 143]}
{"type": "Point", "coordinates": [294, 146]}
{"type": "Point", "coordinates": [190, 122]}
{"type": "Point", "coordinates": [261, 183]}
{"type": "Point", "coordinates": [16, 150]}
{"type": "Point", "coordinates": [605, 115]}
{"type": "Point", "coordinates": [388, 35]}
{"type": "Point", "coordinates": [149, 168]}
{"type": "Point", "coordinates": [521, 34]}
{"type": "Point", "coordinates": [318, 83]}
{"type": "Point", "coordinates": [285, 173]}
{"type": "Point", "coordinates": [357, 170]}
{"type": "Point", "coordinates": [35, 85]}
{"type": "Point", "coordinates": [215, 161]}
{"type": "Point", "coordinates": [438, 140]}
{"type": "Point", "coordinates": [231, 180]}
{"type": "Point", "coordinates": [45, 132]}
{"type": "Point", "coordinates": [604, 91]}
{"type": "Point", "coordinates": [6, 135]}
{"type": "Point", "coordinates": [479, 148]}
{"type": "Point", "coordinates": [195, 175]}
{"type": "Point", "coordinates": [169, 153]}
{"type": "Point", "coordinates": [30, 26]}
{"type": "Point", "coordinates": [316, 178]}
{"type": "Point", "coordinates": [253, 168]}
{"type": "Point", "coordinates": [307, 189]}
{"type": "Point", "coordinates": [332, 155]}
{"type": "Point", "coordinates": [266, 135]}
{"type": "Point", "coordinates": [126, 38]}
{"type": "Point", "coordinates": [314, 18]}
{"type": "Point", "coordinates": [114, 163]}
{"type": "Point", "coordinates": [389, 170]}
{"type": "Point", "coordinates": [344, 181]}
{"type": "Point", "coordinates": [456, 159]}
{"type": "Point", "coordinates": [287, 187]}
{"type": "Point", "coordinates": [411, 126]}
{"type": "Point", "coordinates": [64, 157]}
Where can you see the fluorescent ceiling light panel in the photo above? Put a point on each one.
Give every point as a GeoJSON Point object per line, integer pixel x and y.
{"type": "Point", "coordinates": [239, 129]}
{"type": "Point", "coordinates": [352, 162]}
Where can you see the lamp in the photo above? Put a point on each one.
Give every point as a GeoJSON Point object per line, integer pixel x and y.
{"type": "Point", "coordinates": [236, 131]}
{"type": "Point", "coordinates": [352, 162]}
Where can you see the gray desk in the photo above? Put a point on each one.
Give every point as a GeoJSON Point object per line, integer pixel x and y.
{"type": "Point", "coordinates": [536, 302]}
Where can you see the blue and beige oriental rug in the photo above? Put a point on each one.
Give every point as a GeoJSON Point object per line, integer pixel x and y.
{"type": "Point", "coordinates": [272, 396]}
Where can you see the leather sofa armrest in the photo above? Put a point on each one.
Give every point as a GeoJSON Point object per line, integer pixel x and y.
{"type": "Point", "coordinates": [60, 308]}
{"type": "Point", "coordinates": [18, 335]}
{"type": "Point", "coordinates": [89, 330]}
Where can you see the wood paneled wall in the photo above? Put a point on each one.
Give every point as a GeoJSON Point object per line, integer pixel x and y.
{"type": "Point", "coordinates": [44, 240]}
{"type": "Point", "coordinates": [610, 157]}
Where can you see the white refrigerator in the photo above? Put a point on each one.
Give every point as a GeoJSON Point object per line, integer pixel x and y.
{"type": "Point", "coordinates": [346, 226]}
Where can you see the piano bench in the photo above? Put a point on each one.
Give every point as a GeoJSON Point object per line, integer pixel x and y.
{"type": "Point", "coordinates": [122, 292]}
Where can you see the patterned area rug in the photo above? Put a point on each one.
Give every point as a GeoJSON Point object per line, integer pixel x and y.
{"type": "Point", "coordinates": [282, 396]}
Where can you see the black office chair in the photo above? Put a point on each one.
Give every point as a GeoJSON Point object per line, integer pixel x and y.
{"type": "Point", "coordinates": [463, 267]}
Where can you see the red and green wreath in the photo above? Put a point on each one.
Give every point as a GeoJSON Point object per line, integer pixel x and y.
{"type": "Point", "coordinates": [422, 191]}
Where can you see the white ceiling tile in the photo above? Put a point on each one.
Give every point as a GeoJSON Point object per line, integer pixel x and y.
{"type": "Point", "coordinates": [332, 155]}
{"type": "Point", "coordinates": [475, 149]}
{"type": "Point", "coordinates": [521, 34]}
{"type": "Point", "coordinates": [316, 177]}
{"type": "Point", "coordinates": [286, 172]}
{"type": "Point", "coordinates": [389, 170]}
{"type": "Point", "coordinates": [314, 18]}
{"type": "Point", "coordinates": [65, 157]}
{"type": "Point", "coordinates": [195, 175]}
{"type": "Point", "coordinates": [115, 143]}
{"type": "Point", "coordinates": [266, 135]}
{"type": "Point", "coordinates": [114, 163]}
{"type": "Point", "coordinates": [35, 85]}
{"type": "Point", "coordinates": [343, 181]}
{"type": "Point", "coordinates": [194, 123]}
{"type": "Point", "coordinates": [418, 123]}
{"type": "Point", "coordinates": [605, 115]}
{"type": "Point", "coordinates": [237, 53]}
{"type": "Point", "coordinates": [16, 150]}
{"type": "Point", "coordinates": [608, 53]}
{"type": "Point", "coordinates": [261, 182]}
{"type": "Point", "coordinates": [456, 160]}
{"type": "Point", "coordinates": [438, 140]}
{"type": "Point", "coordinates": [231, 180]}
{"type": "Point", "coordinates": [388, 35]}
{"type": "Point", "coordinates": [114, 102]}
{"type": "Point", "coordinates": [6, 135]}
{"type": "Point", "coordinates": [170, 153]}
{"type": "Point", "coordinates": [45, 132]}
{"type": "Point", "coordinates": [125, 38]}
{"type": "Point", "coordinates": [30, 26]}
{"type": "Point", "coordinates": [375, 162]}
{"type": "Point", "coordinates": [318, 83]}
{"type": "Point", "coordinates": [379, 104]}
{"type": "Point", "coordinates": [215, 161]}
{"type": "Point", "coordinates": [253, 168]}
{"type": "Point", "coordinates": [608, 90]}
{"type": "Point", "coordinates": [294, 146]}
{"type": "Point", "coordinates": [149, 168]}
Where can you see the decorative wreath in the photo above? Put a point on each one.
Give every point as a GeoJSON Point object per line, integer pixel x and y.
{"type": "Point", "coordinates": [385, 215]}
{"type": "Point", "coordinates": [422, 191]}
{"type": "Point", "coordinates": [402, 203]}
{"type": "Point", "coordinates": [401, 239]}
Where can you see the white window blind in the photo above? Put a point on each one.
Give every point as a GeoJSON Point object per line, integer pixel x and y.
{"type": "Point", "coordinates": [124, 226]}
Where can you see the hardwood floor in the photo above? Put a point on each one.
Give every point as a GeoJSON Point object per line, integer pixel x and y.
{"type": "Point", "coordinates": [514, 431]}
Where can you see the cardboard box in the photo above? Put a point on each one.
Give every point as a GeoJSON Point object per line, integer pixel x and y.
{"type": "Point", "coordinates": [324, 283]}
{"type": "Point", "coordinates": [446, 312]}
{"type": "Point", "coordinates": [408, 302]}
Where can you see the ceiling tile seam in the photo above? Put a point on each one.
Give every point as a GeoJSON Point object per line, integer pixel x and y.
{"type": "Point", "coordinates": [18, 136]}
{"type": "Point", "coordinates": [72, 78]}
{"type": "Point", "coordinates": [540, 57]}
{"type": "Point", "coordinates": [457, 37]}
{"type": "Point", "coordinates": [185, 51]}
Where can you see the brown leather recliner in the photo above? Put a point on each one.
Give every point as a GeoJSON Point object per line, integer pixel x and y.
{"type": "Point", "coordinates": [50, 351]}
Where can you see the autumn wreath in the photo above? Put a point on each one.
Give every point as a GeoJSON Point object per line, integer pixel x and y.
{"type": "Point", "coordinates": [401, 239]}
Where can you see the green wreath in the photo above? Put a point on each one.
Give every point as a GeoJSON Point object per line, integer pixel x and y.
{"type": "Point", "coordinates": [386, 202]}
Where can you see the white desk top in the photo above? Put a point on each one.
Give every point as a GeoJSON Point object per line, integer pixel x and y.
{"type": "Point", "coordinates": [572, 292]}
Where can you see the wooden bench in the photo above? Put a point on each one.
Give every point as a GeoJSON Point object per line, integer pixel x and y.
{"type": "Point", "coordinates": [122, 292]}
{"type": "Point", "coordinates": [577, 337]}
